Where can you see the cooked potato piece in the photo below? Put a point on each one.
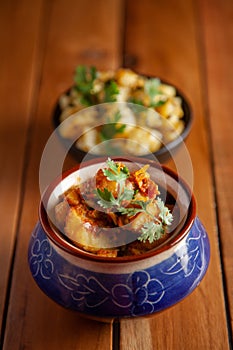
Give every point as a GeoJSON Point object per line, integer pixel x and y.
{"type": "Point", "coordinates": [68, 111]}
{"type": "Point", "coordinates": [178, 107]}
{"type": "Point", "coordinates": [173, 122]}
{"type": "Point", "coordinates": [171, 107]}
{"type": "Point", "coordinates": [123, 94]}
{"type": "Point", "coordinates": [143, 141]}
{"type": "Point", "coordinates": [166, 109]}
{"type": "Point", "coordinates": [153, 119]}
{"type": "Point", "coordinates": [88, 140]}
{"type": "Point", "coordinates": [167, 90]}
{"type": "Point", "coordinates": [136, 248]}
{"type": "Point", "coordinates": [137, 222]}
{"type": "Point", "coordinates": [77, 124]}
{"type": "Point", "coordinates": [72, 196]}
{"type": "Point", "coordinates": [97, 86]}
{"type": "Point", "coordinates": [105, 75]}
{"type": "Point", "coordinates": [126, 77]}
{"type": "Point", "coordinates": [102, 182]}
{"type": "Point", "coordinates": [128, 119]}
{"type": "Point", "coordinates": [82, 232]}
{"type": "Point", "coordinates": [110, 253]}
{"type": "Point", "coordinates": [173, 134]}
{"type": "Point", "coordinates": [139, 95]}
{"type": "Point", "coordinates": [64, 101]}
{"type": "Point", "coordinates": [146, 186]}
{"type": "Point", "coordinates": [61, 210]}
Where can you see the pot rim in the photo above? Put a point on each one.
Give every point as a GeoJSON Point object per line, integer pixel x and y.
{"type": "Point", "coordinates": [68, 247]}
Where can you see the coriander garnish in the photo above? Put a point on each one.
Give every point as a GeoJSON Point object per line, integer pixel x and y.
{"type": "Point", "coordinates": [110, 91]}
{"type": "Point", "coordinates": [125, 204]}
{"type": "Point", "coordinates": [118, 173]}
{"type": "Point", "coordinates": [84, 79]}
{"type": "Point", "coordinates": [152, 90]}
{"type": "Point", "coordinates": [112, 127]}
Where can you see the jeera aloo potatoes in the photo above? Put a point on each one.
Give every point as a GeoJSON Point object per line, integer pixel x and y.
{"type": "Point", "coordinates": [115, 213]}
{"type": "Point", "coordinates": [138, 113]}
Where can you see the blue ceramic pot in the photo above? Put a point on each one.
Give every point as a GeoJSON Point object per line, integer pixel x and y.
{"type": "Point", "coordinates": [127, 286]}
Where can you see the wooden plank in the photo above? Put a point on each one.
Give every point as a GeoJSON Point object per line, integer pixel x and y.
{"type": "Point", "coordinates": [17, 70]}
{"type": "Point", "coordinates": [217, 29]}
{"type": "Point", "coordinates": [162, 40]}
{"type": "Point", "coordinates": [70, 40]}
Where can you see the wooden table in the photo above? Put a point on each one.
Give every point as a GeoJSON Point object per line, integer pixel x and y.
{"type": "Point", "coordinates": [188, 43]}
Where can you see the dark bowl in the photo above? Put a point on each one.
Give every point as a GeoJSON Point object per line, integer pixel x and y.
{"type": "Point", "coordinates": [162, 155]}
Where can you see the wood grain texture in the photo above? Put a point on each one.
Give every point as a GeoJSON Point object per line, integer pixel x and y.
{"type": "Point", "coordinates": [181, 41]}
{"type": "Point", "coordinates": [17, 71]}
{"type": "Point", "coordinates": [165, 43]}
{"type": "Point", "coordinates": [67, 36]}
{"type": "Point", "coordinates": [217, 27]}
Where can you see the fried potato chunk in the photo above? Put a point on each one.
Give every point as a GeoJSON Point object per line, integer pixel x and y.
{"type": "Point", "coordinates": [83, 231]}
{"type": "Point", "coordinates": [102, 182]}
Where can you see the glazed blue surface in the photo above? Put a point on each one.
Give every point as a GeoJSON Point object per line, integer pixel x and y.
{"type": "Point", "coordinates": [139, 293]}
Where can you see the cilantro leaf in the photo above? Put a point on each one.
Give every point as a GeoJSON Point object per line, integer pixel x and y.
{"type": "Point", "coordinates": [110, 91]}
{"type": "Point", "coordinates": [115, 172]}
{"type": "Point", "coordinates": [84, 79]}
{"type": "Point", "coordinates": [142, 208]}
{"type": "Point", "coordinates": [165, 213]}
{"type": "Point", "coordinates": [112, 128]}
{"type": "Point", "coordinates": [135, 101]}
{"type": "Point", "coordinates": [151, 231]}
{"type": "Point", "coordinates": [107, 199]}
{"type": "Point", "coordinates": [158, 103]}
{"type": "Point", "coordinates": [126, 195]}
{"type": "Point", "coordinates": [130, 211]}
{"type": "Point", "coordinates": [152, 90]}
{"type": "Point", "coordinates": [142, 204]}
{"type": "Point", "coordinates": [151, 87]}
